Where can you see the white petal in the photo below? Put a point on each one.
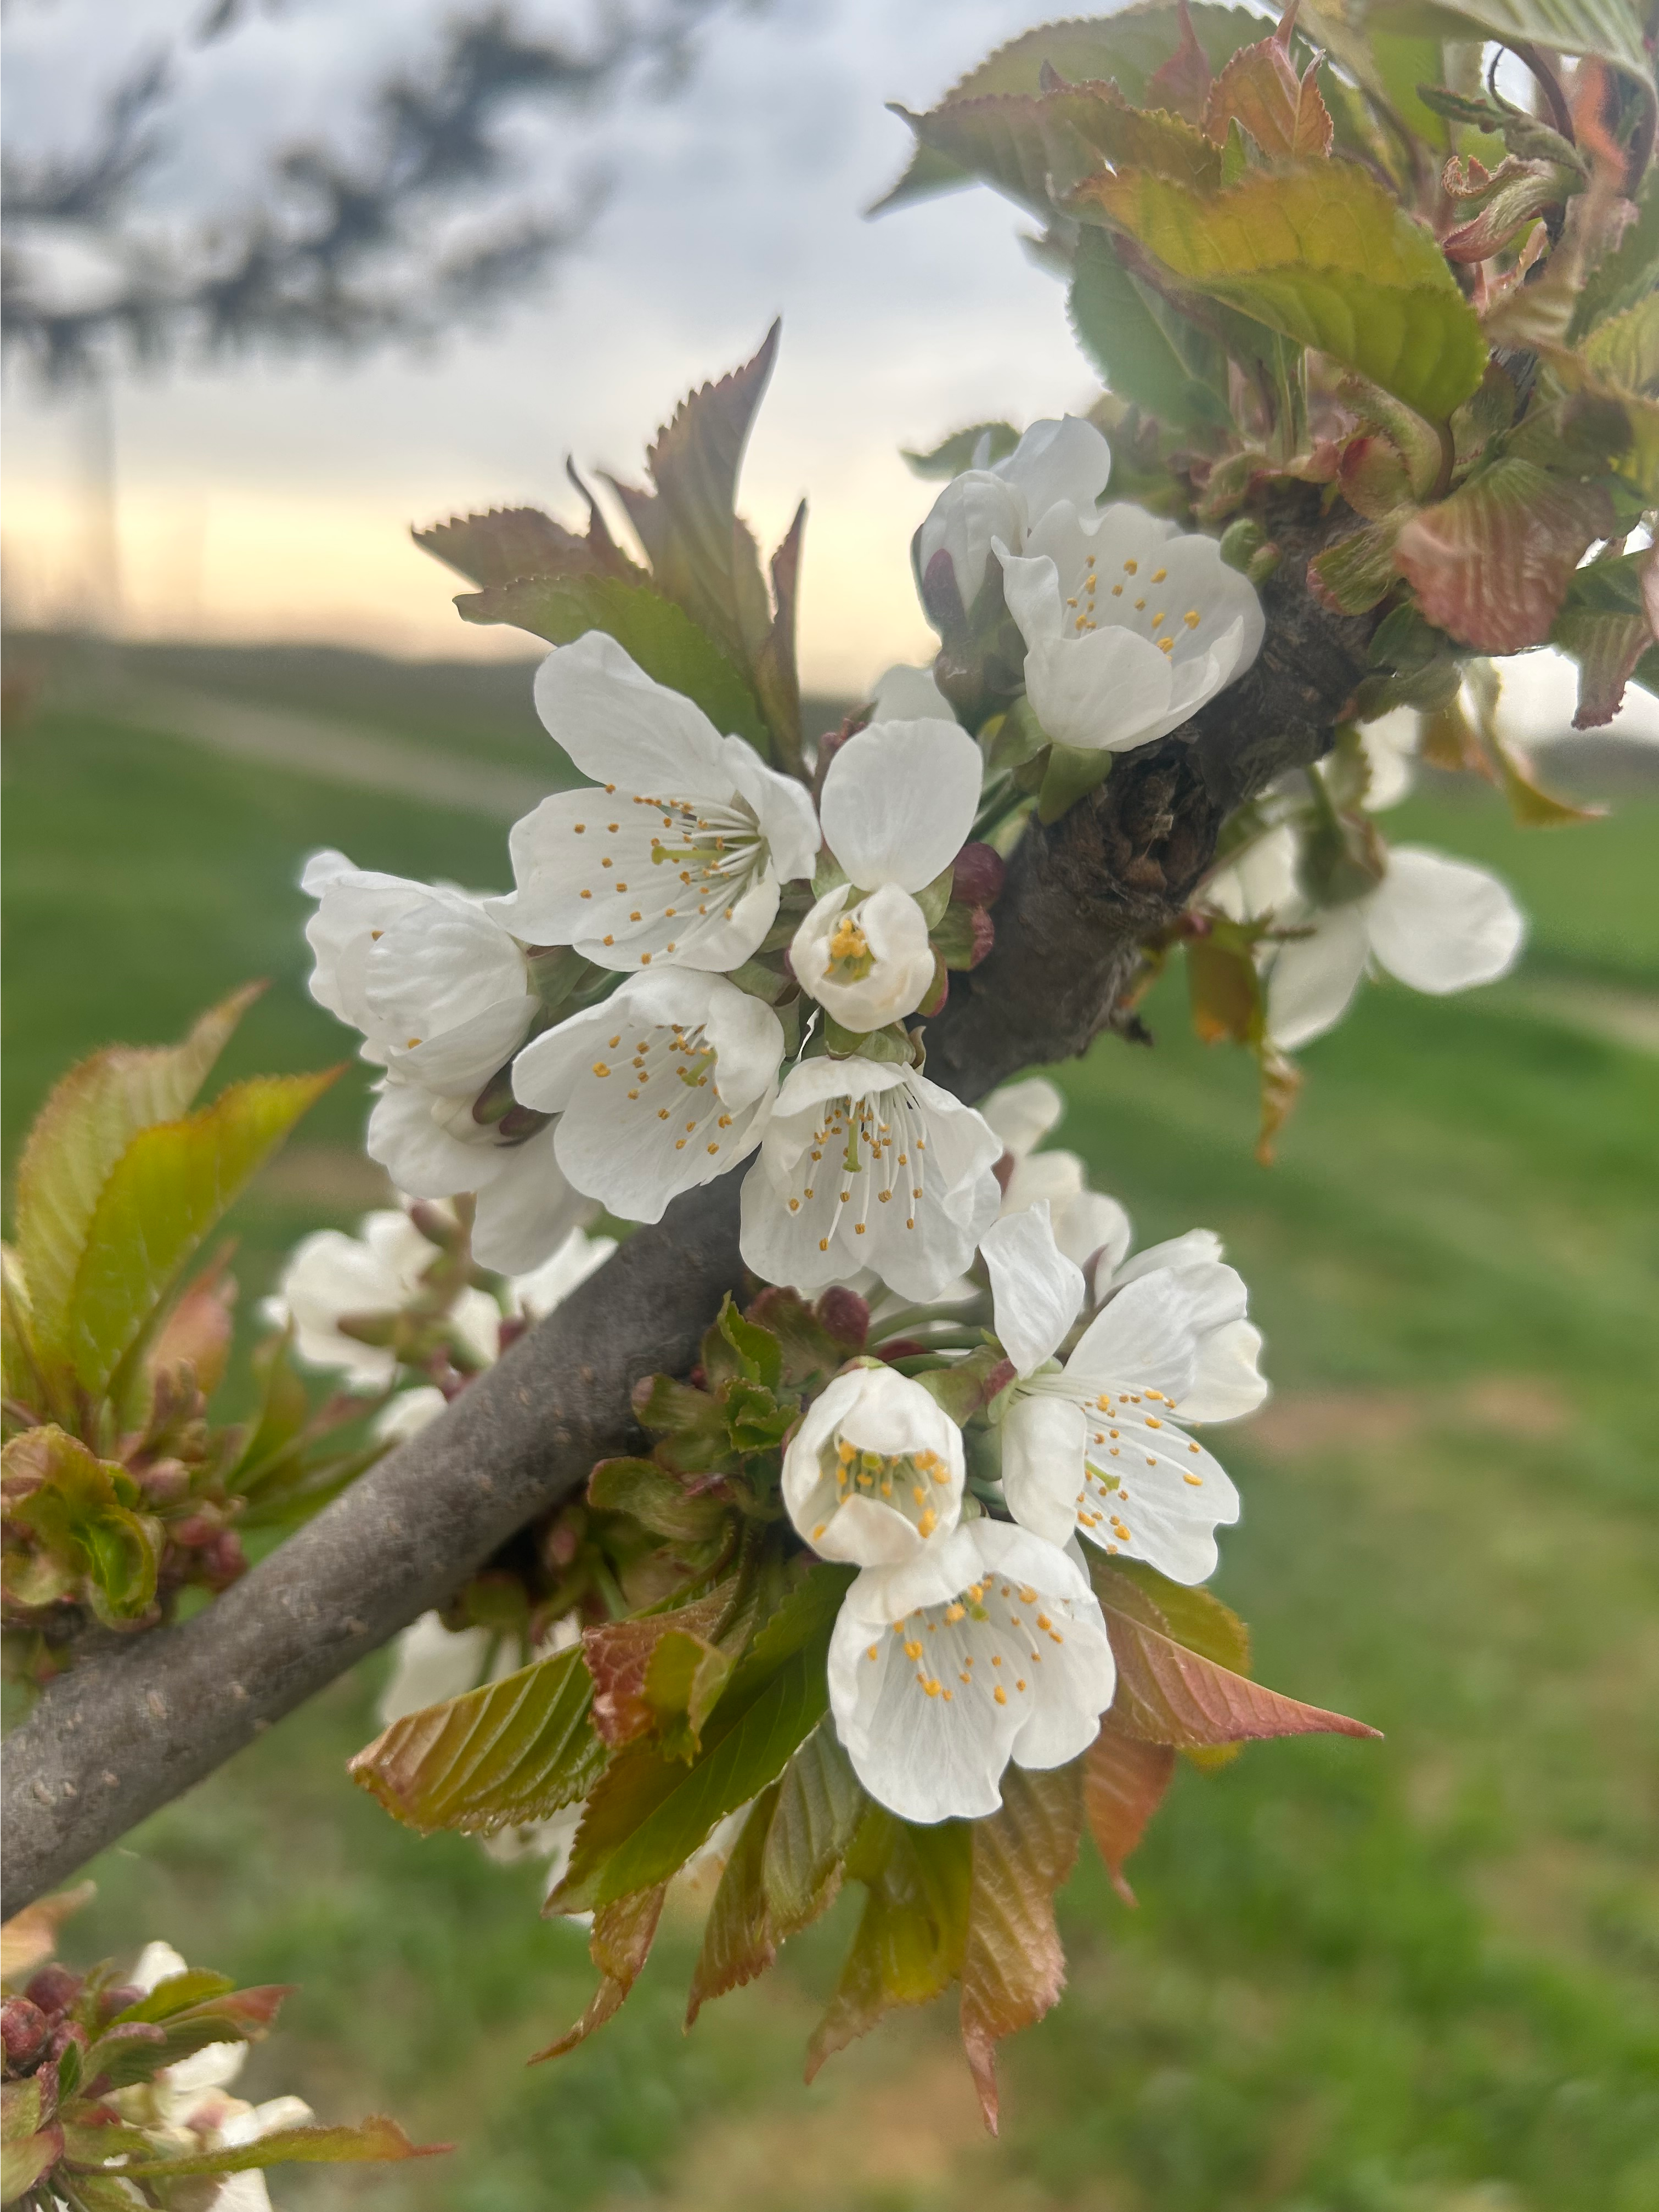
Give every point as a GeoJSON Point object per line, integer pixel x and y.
{"type": "Point", "coordinates": [1107, 691]}
{"type": "Point", "coordinates": [1260, 881]}
{"type": "Point", "coordinates": [406, 1415]}
{"type": "Point", "coordinates": [973, 510]}
{"type": "Point", "coordinates": [528, 1208]}
{"type": "Point", "coordinates": [1390, 744]}
{"type": "Point", "coordinates": [431, 1663]}
{"type": "Point", "coordinates": [1229, 1383]}
{"type": "Point", "coordinates": [1215, 1293]}
{"type": "Point", "coordinates": [894, 930]}
{"type": "Point", "coordinates": [1091, 1224]}
{"type": "Point", "coordinates": [419, 1152]}
{"type": "Point", "coordinates": [909, 694]}
{"type": "Point", "coordinates": [874, 1410]}
{"type": "Point", "coordinates": [1312, 978]}
{"type": "Point", "coordinates": [1168, 1496]}
{"type": "Point", "coordinates": [1443, 925]}
{"type": "Point", "coordinates": [620, 727]}
{"type": "Point", "coordinates": [1065, 460]}
{"type": "Point", "coordinates": [457, 1062]}
{"type": "Point", "coordinates": [782, 807]}
{"type": "Point", "coordinates": [1022, 1113]}
{"type": "Point", "coordinates": [1042, 1442]}
{"type": "Point", "coordinates": [1057, 1179]}
{"type": "Point", "coordinates": [1144, 1339]}
{"type": "Point", "coordinates": [157, 1962]}
{"type": "Point", "coordinates": [1037, 1292]}
{"type": "Point", "coordinates": [899, 801]}
{"type": "Point", "coordinates": [1031, 588]}
{"type": "Point", "coordinates": [580, 1256]}
{"type": "Point", "coordinates": [546, 1072]}
{"type": "Point", "coordinates": [749, 1038]}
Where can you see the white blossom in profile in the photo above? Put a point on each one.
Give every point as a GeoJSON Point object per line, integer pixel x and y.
{"type": "Point", "coordinates": [1095, 1448]}
{"type": "Point", "coordinates": [441, 992]}
{"type": "Point", "coordinates": [330, 1277]}
{"type": "Point", "coordinates": [1084, 1221]}
{"type": "Point", "coordinates": [898, 803]}
{"type": "Point", "coordinates": [678, 852]}
{"type": "Point", "coordinates": [985, 1646]}
{"type": "Point", "coordinates": [875, 1470]}
{"type": "Point", "coordinates": [436, 1147]}
{"type": "Point", "coordinates": [661, 1087]}
{"type": "Point", "coordinates": [864, 1163]}
{"type": "Point", "coordinates": [1130, 625]}
{"type": "Point", "coordinates": [1066, 460]}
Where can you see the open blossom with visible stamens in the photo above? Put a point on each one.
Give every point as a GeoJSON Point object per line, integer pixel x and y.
{"type": "Point", "coordinates": [1064, 460]}
{"type": "Point", "coordinates": [435, 1147]}
{"type": "Point", "coordinates": [875, 1470]}
{"type": "Point", "coordinates": [441, 992]}
{"type": "Point", "coordinates": [986, 1645]}
{"type": "Point", "coordinates": [663, 1087]}
{"type": "Point", "coordinates": [679, 858]}
{"type": "Point", "coordinates": [898, 803]}
{"type": "Point", "coordinates": [1129, 625]}
{"type": "Point", "coordinates": [864, 1163]}
{"type": "Point", "coordinates": [1096, 1448]}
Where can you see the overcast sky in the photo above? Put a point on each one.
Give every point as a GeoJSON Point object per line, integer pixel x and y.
{"type": "Point", "coordinates": [273, 500]}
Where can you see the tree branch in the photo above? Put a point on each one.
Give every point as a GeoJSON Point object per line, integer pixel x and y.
{"type": "Point", "coordinates": [114, 1739]}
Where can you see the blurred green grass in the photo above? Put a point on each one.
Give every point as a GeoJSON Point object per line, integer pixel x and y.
{"type": "Point", "coordinates": [1415, 1977]}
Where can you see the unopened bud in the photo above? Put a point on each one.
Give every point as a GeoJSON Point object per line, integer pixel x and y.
{"type": "Point", "coordinates": [1241, 542]}
{"type": "Point", "coordinates": [223, 1560]}
{"type": "Point", "coordinates": [54, 1989]}
{"type": "Point", "coordinates": [116, 1998]}
{"type": "Point", "coordinates": [436, 1225]}
{"type": "Point", "coordinates": [23, 2031]}
{"type": "Point", "coordinates": [984, 935]}
{"type": "Point", "coordinates": [846, 1317]}
{"type": "Point", "coordinates": [164, 1481]}
{"type": "Point", "coordinates": [978, 876]}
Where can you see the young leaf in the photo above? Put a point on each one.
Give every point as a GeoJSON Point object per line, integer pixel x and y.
{"type": "Point", "coordinates": [1013, 1967]}
{"type": "Point", "coordinates": [957, 451]}
{"type": "Point", "coordinates": [1491, 564]}
{"type": "Point", "coordinates": [1326, 258]}
{"type": "Point", "coordinates": [777, 676]}
{"type": "Point", "coordinates": [30, 1937]}
{"type": "Point", "coordinates": [82, 1510]}
{"type": "Point", "coordinates": [172, 1183]}
{"type": "Point", "coordinates": [1261, 88]}
{"type": "Point", "coordinates": [88, 1121]}
{"type": "Point", "coordinates": [641, 1489]}
{"type": "Point", "coordinates": [1144, 349]}
{"type": "Point", "coordinates": [23, 2163]}
{"type": "Point", "coordinates": [1609, 29]}
{"type": "Point", "coordinates": [619, 1656]}
{"type": "Point", "coordinates": [1357, 573]}
{"type": "Point", "coordinates": [1123, 1785]}
{"type": "Point", "coordinates": [621, 1942]}
{"type": "Point", "coordinates": [819, 1805]}
{"type": "Point", "coordinates": [510, 1752]}
{"type": "Point", "coordinates": [507, 543]}
{"type": "Point", "coordinates": [1608, 624]}
{"type": "Point", "coordinates": [660, 637]}
{"type": "Point", "coordinates": [199, 1328]}
{"type": "Point", "coordinates": [738, 1943]}
{"type": "Point", "coordinates": [1170, 1694]}
{"type": "Point", "coordinates": [1191, 1613]}
{"type": "Point", "coordinates": [375, 2140]}
{"type": "Point", "coordinates": [910, 1942]}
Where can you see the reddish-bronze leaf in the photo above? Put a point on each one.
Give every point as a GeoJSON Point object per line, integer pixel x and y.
{"type": "Point", "coordinates": [1123, 1785]}
{"type": "Point", "coordinates": [1183, 85]}
{"type": "Point", "coordinates": [505, 544]}
{"type": "Point", "coordinates": [738, 1941]}
{"type": "Point", "coordinates": [1261, 90]}
{"type": "Point", "coordinates": [1013, 1968]}
{"type": "Point", "coordinates": [1491, 564]}
{"type": "Point", "coordinates": [199, 1328]}
{"type": "Point", "coordinates": [618, 1656]}
{"type": "Point", "coordinates": [619, 1946]}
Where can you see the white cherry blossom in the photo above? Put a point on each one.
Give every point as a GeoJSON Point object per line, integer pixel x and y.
{"type": "Point", "coordinates": [899, 800]}
{"type": "Point", "coordinates": [331, 1276]}
{"type": "Point", "coordinates": [1085, 1222]}
{"type": "Point", "coordinates": [988, 1645]}
{"type": "Point", "coordinates": [1436, 924]}
{"type": "Point", "coordinates": [663, 1087]}
{"type": "Point", "coordinates": [875, 1470]}
{"type": "Point", "coordinates": [679, 855]}
{"type": "Point", "coordinates": [864, 1163]}
{"type": "Point", "coordinates": [1094, 1449]}
{"type": "Point", "coordinates": [435, 1147]}
{"type": "Point", "coordinates": [1130, 626]}
{"type": "Point", "coordinates": [441, 992]}
{"type": "Point", "coordinates": [1065, 460]}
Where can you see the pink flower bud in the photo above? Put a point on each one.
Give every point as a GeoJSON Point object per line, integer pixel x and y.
{"type": "Point", "coordinates": [23, 2030]}
{"type": "Point", "coordinates": [846, 1316]}
{"type": "Point", "coordinates": [54, 1989]}
{"type": "Point", "coordinates": [978, 876]}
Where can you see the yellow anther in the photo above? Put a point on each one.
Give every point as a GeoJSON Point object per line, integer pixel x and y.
{"type": "Point", "coordinates": [1000, 1694]}
{"type": "Point", "coordinates": [953, 1612]}
{"type": "Point", "coordinates": [1192, 618]}
{"type": "Point", "coordinates": [600, 1068]}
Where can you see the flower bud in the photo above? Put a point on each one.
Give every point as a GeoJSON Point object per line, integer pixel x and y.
{"type": "Point", "coordinates": [978, 875]}
{"type": "Point", "coordinates": [846, 1317]}
{"type": "Point", "coordinates": [164, 1481]}
{"type": "Point", "coordinates": [54, 1989]}
{"type": "Point", "coordinates": [972, 509]}
{"type": "Point", "coordinates": [23, 2031]}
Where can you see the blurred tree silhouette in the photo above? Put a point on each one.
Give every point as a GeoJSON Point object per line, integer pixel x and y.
{"type": "Point", "coordinates": [355, 236]}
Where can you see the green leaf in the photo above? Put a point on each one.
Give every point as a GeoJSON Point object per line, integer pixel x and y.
{"type": "Point", "coordinates": [1606, 624]}
{"type": "Point", "coordinates": [172, 1183]}
{"type": "Point", "coordinates": [754, 1355]}
{"type": "Point", "coordinates": [88, 1119]}
{"type": "Point", "coordinates": [660, 637]}
{"type": "Point", "coordinates": [1624, 349]}
{"type": "Point", "coordinates": [819, 1805]}
{"type": "Point", "coordinates": [640, 1488]}
{"type": "Point", "coordinates": [176, 1993]}
{"type": "Point", "coordinates": [510, 1752]}
{"type": "Point", "coordinates": [24, 2162]}
{"type": "Point", "coordinates": [623, 1932]}
{"type": "Point", "coordinates": [1195, 1616]}
{"type": "Point", "coordinates": [1072, 774]}
{"type": "Point", "coordinates": [619, 1656]}
{"type": "Point", "coordinates": [80, 1509]}
{"type": "Point", "coordinates": [1013, 1967]}
{"type": "Point", "coordinates": [1491, 564]}
{"type": "Point", "coordinates": [1328, 258]}
{"type": "Point", "coordinates": [375, 2140]}
{"type": "Point", "coordinates": [1143, 349]}
{"type": "Point", "coordinates": [507, 543]}
{"type": "Point", "coordinates": [646, 1816]}
{"type": "Point", "coordinates": [137, 2049]}
{"type": "Point", "coordinates": [1611, 30]}
{"type": "Point", "coordinates": [1401, 64]}
{"type": "Point", "coordinates": [910, 1940]}
{"type": "Point", "coordinates": [21, 2108]}
{"type": "Point", "coordinates": [777, 675]}
{"type": "Point", "coordinates": [1129, 47]}
{"type": "Point", "coordinates": [955, 453]}
{"type": "Point", "coordinates": [738, 1943]}
{"type": "Point", "coordinates": [1629, 273]}
{"type": "Point", "coordinates": [1123, 1785]}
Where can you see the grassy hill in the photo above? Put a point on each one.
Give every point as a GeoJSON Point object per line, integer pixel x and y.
{"type": "Point", "coordinates": [1421, 1976]}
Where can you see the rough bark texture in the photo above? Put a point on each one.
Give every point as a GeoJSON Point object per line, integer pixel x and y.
{"type": "Point", "coordinates": [113, 1740]}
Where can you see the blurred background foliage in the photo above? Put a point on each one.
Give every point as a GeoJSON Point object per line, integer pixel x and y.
{"type": "Point", "coordinates": [1418, 1977]}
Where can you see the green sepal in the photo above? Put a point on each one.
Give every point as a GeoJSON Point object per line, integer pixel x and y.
{"type": "Point", "coordinates": [1072, 774]}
